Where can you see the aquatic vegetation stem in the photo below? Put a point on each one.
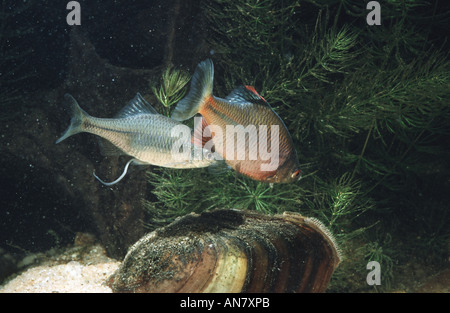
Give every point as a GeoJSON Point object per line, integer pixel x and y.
{"type": "Point", "coordinates": [363, 148]}
{"type": "Point", "coordinates": [172, 88]}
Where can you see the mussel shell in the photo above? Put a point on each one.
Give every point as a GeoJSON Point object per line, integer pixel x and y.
{"type": "Point", "coordinates": [231, 251]}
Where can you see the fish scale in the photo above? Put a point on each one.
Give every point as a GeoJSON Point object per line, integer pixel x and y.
{"type": "Point", "coordinates": [142, 137]}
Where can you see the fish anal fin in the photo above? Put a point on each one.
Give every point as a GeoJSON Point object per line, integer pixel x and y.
{"type": "Point", "coordinates": [108, 149]}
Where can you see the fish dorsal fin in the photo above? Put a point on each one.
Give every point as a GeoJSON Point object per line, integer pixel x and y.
{"type": "Point", "coordinates": [245, 95]}
{"type": "Point", "coordinates": [138, 105]}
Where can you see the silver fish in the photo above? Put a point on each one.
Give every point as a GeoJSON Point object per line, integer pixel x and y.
{"type": "Point", "coordinates": [140, 131]}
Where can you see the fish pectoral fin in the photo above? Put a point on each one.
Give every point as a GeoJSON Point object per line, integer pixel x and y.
{"type": "Point", "coordinates": [121, 176]}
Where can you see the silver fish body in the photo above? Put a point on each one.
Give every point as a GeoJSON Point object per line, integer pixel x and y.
{"type": "Point", "coordinates": [139, 131]}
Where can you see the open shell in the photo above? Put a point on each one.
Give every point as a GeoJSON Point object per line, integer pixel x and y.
{"type": "Point", "coordinates": [231, 251]}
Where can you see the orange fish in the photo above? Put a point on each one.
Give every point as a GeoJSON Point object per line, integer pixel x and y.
{"type": "Point", "coordinates": [245, 131]}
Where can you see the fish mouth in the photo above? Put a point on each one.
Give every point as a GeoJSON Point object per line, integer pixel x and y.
{"type": "Point", "coordinates": [285, 176]}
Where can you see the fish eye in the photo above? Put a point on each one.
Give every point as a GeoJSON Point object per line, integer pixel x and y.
{"type": "Point", "coordinates": [209, 156]}
{"type": "Point", "coordinates": [296, 174]}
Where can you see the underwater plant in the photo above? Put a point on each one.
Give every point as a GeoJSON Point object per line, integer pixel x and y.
{"type": "Point", "coordinates": [177, 193]}
{"type": "Point", "coordinates": [172, 88]}
{"type": "Point", "coordinates": [380, 252]}
{"type": "Point", "coordinates": [368, 110]}
{"type": "Point", "coordinates": [180, 192]}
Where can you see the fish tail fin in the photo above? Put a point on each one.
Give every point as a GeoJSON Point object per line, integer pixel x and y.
{"type": "Point", "coordinates": [200, 90]}
{"type": "Point", "coordinates": [76, 122]}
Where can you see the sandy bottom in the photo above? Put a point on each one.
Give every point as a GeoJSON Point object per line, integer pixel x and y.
{"type": "Point", "coordinates": [83, 268]}
{"type": "Point", "coordinates": [70, 277]}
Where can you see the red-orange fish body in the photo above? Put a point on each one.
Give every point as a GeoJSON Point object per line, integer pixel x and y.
{"type": "Point", "coordinates": [245, 130]}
